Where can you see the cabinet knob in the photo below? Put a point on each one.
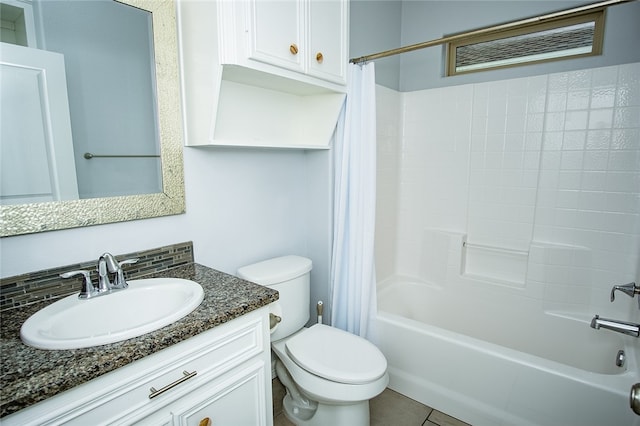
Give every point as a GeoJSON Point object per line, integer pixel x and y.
{"type": "Point", "coordinates": [205, 422]}
{"type": "Point", "coordinates": [293, 49]}
{"type": "Point", "coordinates": [319, 57]}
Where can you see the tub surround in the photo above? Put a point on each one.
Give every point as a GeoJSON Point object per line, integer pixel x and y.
{"type": "Point", "coordinates": [31, 375]}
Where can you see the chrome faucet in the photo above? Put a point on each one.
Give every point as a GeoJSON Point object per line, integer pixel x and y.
{"type": "Point", "coordinates": [107, 265]}
{"type": "Point", "coordinates": [114, 267]}
{"type": "Point", "coordinates": [104, 283]}
{"type": "Point", "coordinates": [630, 290]}
{"type": "Point", "coordinates": [623, 327]}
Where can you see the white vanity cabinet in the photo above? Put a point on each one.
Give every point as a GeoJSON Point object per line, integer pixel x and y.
{"type": "Point", "coordinates": [223, 374]}
{"type": "Point", "coordinates": [305, 36]}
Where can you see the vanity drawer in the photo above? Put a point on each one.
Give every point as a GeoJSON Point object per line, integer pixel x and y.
{"type": "Point", "coordinates": [236, 398]}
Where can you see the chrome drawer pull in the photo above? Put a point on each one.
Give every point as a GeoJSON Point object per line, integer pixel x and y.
{"type": "Point", "coordinates": [186, 376]}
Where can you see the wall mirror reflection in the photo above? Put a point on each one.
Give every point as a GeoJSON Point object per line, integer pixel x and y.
{"type": "Point", "coordinates": [89, 109]}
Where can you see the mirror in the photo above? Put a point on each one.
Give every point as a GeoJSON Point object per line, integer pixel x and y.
{"type": "Point", "coordinates": [166, 196]}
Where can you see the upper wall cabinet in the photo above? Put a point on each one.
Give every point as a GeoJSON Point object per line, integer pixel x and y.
{"type": "Point", "coordinates": [275, 77]}
{"type": "Point", "coordinates": [308, 37]}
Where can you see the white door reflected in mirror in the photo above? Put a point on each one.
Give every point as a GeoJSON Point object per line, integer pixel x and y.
{"type": "Point", "coordinates": [36, 153]}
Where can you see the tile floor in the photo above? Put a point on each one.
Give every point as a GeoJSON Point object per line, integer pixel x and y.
{"type": "Point", "coordinates": [387, 409]}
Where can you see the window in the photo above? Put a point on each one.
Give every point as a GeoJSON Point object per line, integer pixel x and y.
{"type": "Point", "coordinates": [538, 42]}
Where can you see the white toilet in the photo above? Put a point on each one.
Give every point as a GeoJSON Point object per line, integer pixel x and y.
{"type": "Point", "coordinates": [330, 374]}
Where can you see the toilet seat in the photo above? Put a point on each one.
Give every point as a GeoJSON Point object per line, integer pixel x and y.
{"type": "Point", "coordinates": [336, 355]}
{"type": "Point", "coordinates": [326, 391]}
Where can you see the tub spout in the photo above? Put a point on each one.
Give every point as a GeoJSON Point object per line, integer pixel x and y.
{"type": "Point", "coordinates": [623, 327]}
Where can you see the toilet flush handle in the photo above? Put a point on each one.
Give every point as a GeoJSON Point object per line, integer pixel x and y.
{"type": "Point", "coordinates": [273, 320]}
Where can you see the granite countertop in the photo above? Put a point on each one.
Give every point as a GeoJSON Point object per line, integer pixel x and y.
{"type": "Point", "coordinates": [31, 375]}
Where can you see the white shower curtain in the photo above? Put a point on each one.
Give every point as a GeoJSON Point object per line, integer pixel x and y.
{"type": "Point", "coordinates": [353, 281]}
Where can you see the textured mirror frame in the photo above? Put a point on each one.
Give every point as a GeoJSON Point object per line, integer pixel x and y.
{"type": "Point", "coordinates": [50, 216]}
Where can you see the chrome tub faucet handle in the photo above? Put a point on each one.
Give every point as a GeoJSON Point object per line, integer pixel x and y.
{"type": "Point", "coordinates": [630, 290]}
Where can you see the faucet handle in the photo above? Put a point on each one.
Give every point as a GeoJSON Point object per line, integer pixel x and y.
{"type": "Point", "coordinates": [120, 282]}
{"type": "Point", "coordinates": [88, 288]}
{"type": "Point", "coordinates": [112, 263]}
{"type": "Point", "coordinates": [129, 261]}
{"type": "Point", "coordinates": [630, 290]}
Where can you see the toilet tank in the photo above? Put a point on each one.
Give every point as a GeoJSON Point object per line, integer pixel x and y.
{"type": "Point", "coordinates": [289, 275]}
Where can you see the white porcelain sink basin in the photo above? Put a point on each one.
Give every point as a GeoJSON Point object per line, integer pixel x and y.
{"type": "Point", "coordinates": [145, 306]}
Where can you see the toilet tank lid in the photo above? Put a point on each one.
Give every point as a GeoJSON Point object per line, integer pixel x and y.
{"type": "Point", "coordinates": [276, 270]}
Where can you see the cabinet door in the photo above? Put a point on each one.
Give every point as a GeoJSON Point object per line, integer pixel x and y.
{"type": "Point", "coordinates": [277, 33]}
{"type": "Point", "coordinates": [328, 39]}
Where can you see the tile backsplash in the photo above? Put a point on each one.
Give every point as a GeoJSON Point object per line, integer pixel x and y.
{"type": "Point", "coordinates": [36, 286]}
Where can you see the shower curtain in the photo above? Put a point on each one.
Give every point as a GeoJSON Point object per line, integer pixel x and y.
{"type": "Point", "coordinates": [353, 282]}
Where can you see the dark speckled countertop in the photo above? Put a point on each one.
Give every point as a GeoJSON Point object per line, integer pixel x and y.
{"type": "Point", "coordinates": [31, 375]}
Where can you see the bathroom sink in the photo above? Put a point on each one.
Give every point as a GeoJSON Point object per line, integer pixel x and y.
{"type": "Point", "coordinates": [147, 305]}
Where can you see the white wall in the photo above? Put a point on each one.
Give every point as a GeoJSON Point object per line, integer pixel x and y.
{"type": "Point", "coordinates": [242, 206]}
{"type": "Point", "coordinates": [549, 165]}
{"type": "Point", "coordinates": [376, 26]}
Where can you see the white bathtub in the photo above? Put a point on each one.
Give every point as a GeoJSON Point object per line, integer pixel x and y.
{"type": "Point", "coordinates": [498, 359]}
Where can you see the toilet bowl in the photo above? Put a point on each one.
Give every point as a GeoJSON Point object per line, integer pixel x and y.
{"type": "Point", "coordinates": [330, 374]}
{"type": "Point", "coordinates": [340, 398]}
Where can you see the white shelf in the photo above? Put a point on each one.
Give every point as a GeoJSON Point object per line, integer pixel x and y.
{"type": "Point", "coordinates": [256, 109]}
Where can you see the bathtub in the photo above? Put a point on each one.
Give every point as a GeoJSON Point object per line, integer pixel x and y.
{"type": "Point", "coordinates": [499, 359]}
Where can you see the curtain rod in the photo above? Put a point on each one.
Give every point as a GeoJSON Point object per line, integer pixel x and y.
{"type": "Point", "coordinates": [495, 28]}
